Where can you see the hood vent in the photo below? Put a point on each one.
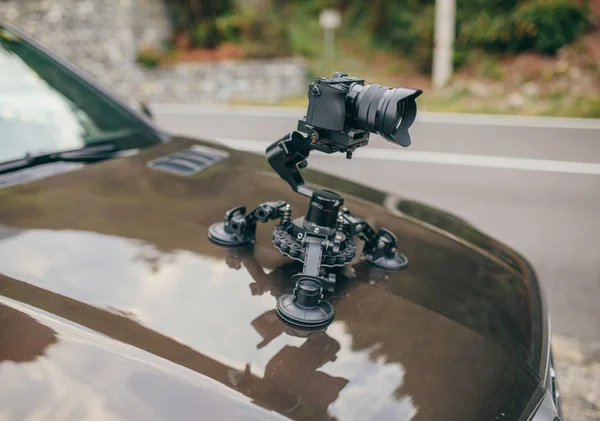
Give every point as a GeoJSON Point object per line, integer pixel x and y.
{"type": "Point", "coordinates": [189, 161]}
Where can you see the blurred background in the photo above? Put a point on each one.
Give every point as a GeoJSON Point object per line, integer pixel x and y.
{"type": "Point", "coordinates": [532, 57]}
{"type": "Point", "coordinates": [508, 135]}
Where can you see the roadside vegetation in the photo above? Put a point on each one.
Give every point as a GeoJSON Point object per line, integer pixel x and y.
{"type": "Point", "coordinates": [537, 57]}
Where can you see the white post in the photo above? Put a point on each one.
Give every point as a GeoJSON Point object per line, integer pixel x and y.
{"type": "Point", "coordinates": [330, 19]}
{"type": "Point", "coordinates": [445, 22]}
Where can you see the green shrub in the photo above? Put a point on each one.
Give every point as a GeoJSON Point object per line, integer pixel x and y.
{"type": "Point", "coordinates": [201, 35]}
{"type": "Point", "coordinates": [198, 19]}
{"type": "Point", "coordinates": [262, 28]}
{"type": "Point", "coordinates": [468, 10]}
{"type": "Point", "coordinates": [423, 33]}
{"type": "Point", "coordinates": [393, 23]}
{"type": "Point", "coordinates": [547, 25]}
{"type": "Point", "coordinates": [148, 58]}
{"type": "Point", "coordinates": [539, 25]}
{"type": "Point", "coordinates": [306, 37]}
{"type": "Point", "coordinates": [281, 27]}
{"type": "Point", "coordinates": [228, 27]}
{"type": "Point", "coordinates": [493, 25]}
{"type": "Point", "coordinates": [264, 33]}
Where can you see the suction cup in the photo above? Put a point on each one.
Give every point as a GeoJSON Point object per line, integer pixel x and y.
{"type": "Point", "coordinates": [395, 261]}
{"type": "Point", "coordinates": [217, 234]}
{"type": "Point", "coordinates": [305, 308]}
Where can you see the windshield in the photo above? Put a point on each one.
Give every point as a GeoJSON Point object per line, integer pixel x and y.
{"type": "Point", "coordinates": [44, 107]}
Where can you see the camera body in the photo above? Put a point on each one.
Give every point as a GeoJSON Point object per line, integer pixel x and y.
{"type": "Point", "coordinates": [327, 101]}
{"type": "Point", "coordinates": [342, 111]}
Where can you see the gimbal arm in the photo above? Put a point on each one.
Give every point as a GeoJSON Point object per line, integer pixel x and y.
{"type": "Point", "coordinates": [286, 155]}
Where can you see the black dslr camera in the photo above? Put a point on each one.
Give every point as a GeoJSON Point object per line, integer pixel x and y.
{"type": "Point", "coordinates": [343, 110]}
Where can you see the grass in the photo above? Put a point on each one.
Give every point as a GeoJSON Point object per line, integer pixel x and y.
{"type": "Point", "coordinates": [556, 106]}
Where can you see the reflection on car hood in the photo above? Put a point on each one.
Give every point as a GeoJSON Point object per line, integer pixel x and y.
{"type": "Point", "coordinates": [138, 315]}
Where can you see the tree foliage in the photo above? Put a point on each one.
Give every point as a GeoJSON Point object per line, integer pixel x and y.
{"type": "Point", "coordinates": [266, 27]}
{"type": "Point", "coordinates": [198, 19]}
{"type": "Point", "coordinates": [495, 25]}
{"type": "Point", "coordinates": [541, 25]}
{"type": "Point", "coordinates": [260, 26]}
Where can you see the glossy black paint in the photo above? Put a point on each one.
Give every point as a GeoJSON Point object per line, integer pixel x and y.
{"type": "Point", "coordinates": [114, 259]}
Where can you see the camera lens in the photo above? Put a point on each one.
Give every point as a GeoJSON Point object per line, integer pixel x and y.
{"type": "Point", "coordinates": [383, 110]}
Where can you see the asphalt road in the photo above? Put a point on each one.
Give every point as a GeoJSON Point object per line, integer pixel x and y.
{"type": "Point", "coordinates": [531, 183]}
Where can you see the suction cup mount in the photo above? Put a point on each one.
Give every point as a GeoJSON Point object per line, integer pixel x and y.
{"type": "Point", "coordinates": [306, 306]}
{"type": "Point", "coordinates": [380, 249]}
{"type": "Point", "coordinates": [322, 240]}
{"type": "Point", "coordinates": [239, 229]}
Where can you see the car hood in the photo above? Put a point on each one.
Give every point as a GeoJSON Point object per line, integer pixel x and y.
{"type": "Point", "coordinates": [115, 305]}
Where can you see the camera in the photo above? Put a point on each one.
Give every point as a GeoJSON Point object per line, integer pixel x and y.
{"type": "Point", "coordinates": [345, 104]}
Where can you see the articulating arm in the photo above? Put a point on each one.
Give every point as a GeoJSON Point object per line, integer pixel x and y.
{"type": "Point", "coordinates": [289, 153]}
{"type": "Point", "coordinates": [380, 247]}
{"type": "Point", "coordinates": [240, 229]}
{"type": "Point", "coordinates": [286, 155]}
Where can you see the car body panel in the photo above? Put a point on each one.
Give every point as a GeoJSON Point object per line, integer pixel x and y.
{"type": "Point", "coordinates": [116, 254]}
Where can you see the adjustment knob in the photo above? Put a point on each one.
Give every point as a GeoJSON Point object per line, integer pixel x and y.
{"type": "Point", "coordinates": [308, 293]}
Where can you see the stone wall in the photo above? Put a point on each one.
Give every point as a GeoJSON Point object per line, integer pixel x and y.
{"type": "Point", "coordinates": [103, 37]}
{"type": "Point", "coordinates": [248, 80]}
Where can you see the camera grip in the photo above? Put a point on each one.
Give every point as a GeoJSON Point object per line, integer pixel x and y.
{"type": "Point", "coordinates": [326, 107]}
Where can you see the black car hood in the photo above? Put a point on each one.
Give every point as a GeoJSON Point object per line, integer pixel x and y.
{"type": "Point", "coordinates": [109, 268]}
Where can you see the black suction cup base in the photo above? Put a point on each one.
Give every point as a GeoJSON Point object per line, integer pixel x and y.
{"type": "Point", "coordinates": [397, 261]}
{"type": "Point", "coordinates": [302, 317]}
{"type": "Point", "coordinates": [218, 235]}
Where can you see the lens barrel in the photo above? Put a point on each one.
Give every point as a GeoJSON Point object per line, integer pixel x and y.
{"type": "Point", "coordinates": [383, 110]}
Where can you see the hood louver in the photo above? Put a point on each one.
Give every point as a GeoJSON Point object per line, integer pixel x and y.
{"type": "Point", "coordinates": [189, 161]}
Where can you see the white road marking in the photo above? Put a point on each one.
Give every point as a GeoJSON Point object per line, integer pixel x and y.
{"type": "Point", "coordinates": [510, 121]}
{"type": "Point", "coordinates": [482, 161]}
{"type": "Point", "coordinates": [423, 116]}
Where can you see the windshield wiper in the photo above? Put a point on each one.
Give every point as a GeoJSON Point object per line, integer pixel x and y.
{"type": "Point", "coordinates": [90, 153]}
